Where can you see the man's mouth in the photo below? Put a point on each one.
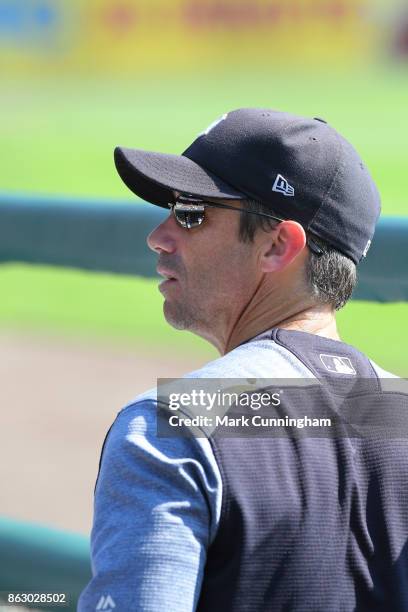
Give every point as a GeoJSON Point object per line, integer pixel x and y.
{"type": "Point", "coordinates": [169, 279]}
{"type": "Point", "coordinates": [166, 274]}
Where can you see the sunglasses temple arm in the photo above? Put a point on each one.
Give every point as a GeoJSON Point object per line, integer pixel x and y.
{"type": "Point", "coordinates": [250, 212]}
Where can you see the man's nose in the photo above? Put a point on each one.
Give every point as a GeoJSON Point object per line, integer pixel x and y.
{"type": "Point", "coordinates": [163, 238]}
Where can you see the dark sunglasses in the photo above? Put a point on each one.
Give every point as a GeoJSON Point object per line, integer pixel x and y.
{"type": "Point", "coordinates": [190, 213]}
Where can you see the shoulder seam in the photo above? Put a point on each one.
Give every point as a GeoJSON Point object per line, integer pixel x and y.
{"type": "Point", "coordinates": [289, 350]}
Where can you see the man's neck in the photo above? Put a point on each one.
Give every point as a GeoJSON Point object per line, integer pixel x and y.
{"type": "Point", "coordinates": [270, 308]}
{"type": "Point", "coordinates": [309, 321]}
{"type": "Point", "coordinates": [313, 321]}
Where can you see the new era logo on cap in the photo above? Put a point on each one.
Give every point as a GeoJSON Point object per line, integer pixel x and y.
{"type": "Point", "coordinates": [281, 185]}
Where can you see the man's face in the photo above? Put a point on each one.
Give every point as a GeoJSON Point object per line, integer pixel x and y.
{"type": "Point", "coordinates": [211, 274]}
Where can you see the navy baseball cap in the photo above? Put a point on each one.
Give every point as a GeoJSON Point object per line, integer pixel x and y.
{"type": "Point", "coordinates": [301, 168]}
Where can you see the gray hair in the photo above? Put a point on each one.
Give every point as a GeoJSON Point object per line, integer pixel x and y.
{"type": "Point", "coordinates": [331, 276]}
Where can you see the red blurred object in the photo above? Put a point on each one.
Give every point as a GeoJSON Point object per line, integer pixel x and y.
{"type": "Point", "coordinates": [120, 17]}
{"type": "Point", "coordinates": [401, 39]}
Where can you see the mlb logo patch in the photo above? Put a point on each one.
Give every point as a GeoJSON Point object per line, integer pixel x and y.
{"type": "Point", "coordinates": [337, 364]}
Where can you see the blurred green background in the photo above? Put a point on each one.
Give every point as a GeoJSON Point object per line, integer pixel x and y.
{"type": "Point", "coordinates": [153, 75]}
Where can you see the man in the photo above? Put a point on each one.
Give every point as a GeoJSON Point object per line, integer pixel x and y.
{"type": "Point", "coordinates": [269, 215]}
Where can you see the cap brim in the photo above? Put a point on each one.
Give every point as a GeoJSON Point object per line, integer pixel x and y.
{"type": "Point", "coordinates": [154, 176]}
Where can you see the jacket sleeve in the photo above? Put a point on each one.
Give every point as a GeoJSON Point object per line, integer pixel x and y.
{"type": "Point", "coordinates": [156, 509]}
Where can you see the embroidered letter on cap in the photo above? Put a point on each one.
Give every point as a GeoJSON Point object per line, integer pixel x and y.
{"type": "Point", "coordinates": [281, 185]}
{"type": "Point", "coordinates": [213, 125]}
{"type": "Point", "coordinates": [367, 246]}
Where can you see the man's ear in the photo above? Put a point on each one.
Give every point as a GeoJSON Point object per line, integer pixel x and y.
{"type": "Point", "coordinates": [284, 244]}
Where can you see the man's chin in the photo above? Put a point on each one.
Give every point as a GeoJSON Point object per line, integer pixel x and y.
{"type": "Point", "coordinates": [174, 316]}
